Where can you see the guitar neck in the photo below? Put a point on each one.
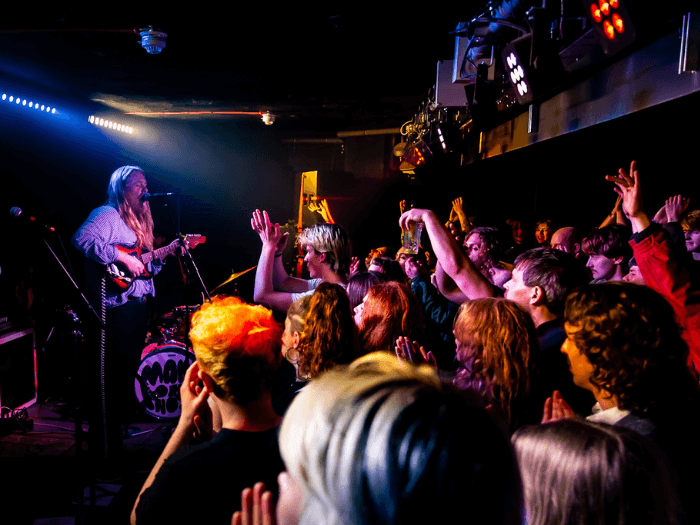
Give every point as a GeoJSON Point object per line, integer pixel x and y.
{"type": "Point", "coordinates": [160, 253]}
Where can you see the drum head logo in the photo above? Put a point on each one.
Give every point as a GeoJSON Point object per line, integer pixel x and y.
{"type": "Point", "coordinates": [160, 375]}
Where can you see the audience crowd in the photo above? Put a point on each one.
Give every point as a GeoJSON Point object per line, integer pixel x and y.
{"type": "Point", "coordinates": [500, 375]}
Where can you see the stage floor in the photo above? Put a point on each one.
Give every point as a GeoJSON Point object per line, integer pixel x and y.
{"type": "Point", "coordinates": [42, 477]}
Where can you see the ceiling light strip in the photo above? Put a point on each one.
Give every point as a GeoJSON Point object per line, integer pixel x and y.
{"type": "Point", "coordinates": [109, 124]}
{"type": "Point", "coordinates": [28, 103]}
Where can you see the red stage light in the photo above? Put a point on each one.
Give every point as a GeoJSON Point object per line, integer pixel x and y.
{"type": "Point", "coordinates": [614, 4]}
{"type": "Point", "coordinates": [618, 23]}
{"type": "Point", "coordinates": [605, 7]}
{"type": "Point", "coordinates": [608, 29]}
{"type": "Point", "coordinates": [595, 13]}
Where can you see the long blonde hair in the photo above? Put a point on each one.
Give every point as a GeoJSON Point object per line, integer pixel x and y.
{"type": "Point", "coordinates": [140, 221]}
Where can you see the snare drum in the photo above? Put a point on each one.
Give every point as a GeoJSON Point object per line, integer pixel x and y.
{"type": "Point", "coordinates": [158, 379]}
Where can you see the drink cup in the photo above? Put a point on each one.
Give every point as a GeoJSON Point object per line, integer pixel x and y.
{"type": "Point", "coordinates": [411, 237]}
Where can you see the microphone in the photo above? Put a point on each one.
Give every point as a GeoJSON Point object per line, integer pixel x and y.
{"type": "Point", "coordinates": [149, 196]}
{"type": "Point", "coordinates": [17, 213]}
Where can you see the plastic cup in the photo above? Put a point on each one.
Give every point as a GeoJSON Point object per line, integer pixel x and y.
{"type": "Point", "coordinates": [411, 237]}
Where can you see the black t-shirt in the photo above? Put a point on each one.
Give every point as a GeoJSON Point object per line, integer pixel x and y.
{"type": "Point", "coordinates": [203, 483]}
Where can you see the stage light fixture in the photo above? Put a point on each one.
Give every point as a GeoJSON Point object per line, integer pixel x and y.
{"type": "Point", "coordinates": [612, 22]}
{"type": "Point", "coordinates": [516, 57]}
{"type": "Point", "coordinates": [116, 126]}
{"type": "Point", "coordinates": [418, 154]}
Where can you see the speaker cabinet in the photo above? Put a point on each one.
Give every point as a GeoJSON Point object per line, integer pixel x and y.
{"type": "Point", "coordinates": [18, 381]}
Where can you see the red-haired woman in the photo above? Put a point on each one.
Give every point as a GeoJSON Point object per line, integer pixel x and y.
{"type": "Point", "coordinates": [497, 350]}
{"type": "Point", "coordinates": [389, 310]}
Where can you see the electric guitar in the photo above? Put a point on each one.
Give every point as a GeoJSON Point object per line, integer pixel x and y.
{"type": "Point", "coordinates": [122, 278]}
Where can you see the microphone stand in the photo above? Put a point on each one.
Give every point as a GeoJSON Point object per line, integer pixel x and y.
{"type": "Point", "coordinates": [76, 397]}
{"type": "Point", "coordinates": [192, 266]}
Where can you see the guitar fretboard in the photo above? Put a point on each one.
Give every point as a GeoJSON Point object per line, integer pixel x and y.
{"type": "Point", "coordinates": [160, 253]}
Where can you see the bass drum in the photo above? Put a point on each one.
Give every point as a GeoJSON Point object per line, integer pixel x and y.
{"type": "Point", "coordinates": [158, 379]}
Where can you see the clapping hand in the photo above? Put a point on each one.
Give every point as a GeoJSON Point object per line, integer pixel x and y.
{"type": "Point", "coordinates": [406, 351]}
{"type": "Point", "coordinates": [555, 409]}
{"type": "Point", "coordinates": [257, 507]}
{"type": "Point", "coordinates": [270, 234]}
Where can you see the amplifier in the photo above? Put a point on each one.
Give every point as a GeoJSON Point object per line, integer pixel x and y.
{"type": "Point", "coordinates": [18, 381]}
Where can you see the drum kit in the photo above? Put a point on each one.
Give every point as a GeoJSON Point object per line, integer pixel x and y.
{"type": "Point", "coordinates": [165, 359]}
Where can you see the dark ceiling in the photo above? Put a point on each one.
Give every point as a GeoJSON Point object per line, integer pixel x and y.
{"type": "Point", "coordinates": [321, 69]}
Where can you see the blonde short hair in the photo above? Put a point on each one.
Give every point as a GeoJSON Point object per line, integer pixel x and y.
{"type": "Point", "coordinates": [332, 240]}
{"type": "Point", "coordinates": [382, 441]}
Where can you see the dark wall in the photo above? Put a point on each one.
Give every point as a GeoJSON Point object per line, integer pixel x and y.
{"type": "Point", "coordinates": [58, 170]}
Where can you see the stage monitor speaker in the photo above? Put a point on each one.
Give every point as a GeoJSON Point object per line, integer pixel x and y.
{"type": "Point", "coordinates": [18, 381]}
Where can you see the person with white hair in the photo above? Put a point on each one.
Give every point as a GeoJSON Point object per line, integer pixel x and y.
{"type": "Point", "coordinates": [385, 442]}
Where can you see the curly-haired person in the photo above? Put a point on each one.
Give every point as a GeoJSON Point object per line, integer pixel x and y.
{"type": "Point", "coordinates": [330, 336]}
{"type": "Point", "coordinates": [624, 345]}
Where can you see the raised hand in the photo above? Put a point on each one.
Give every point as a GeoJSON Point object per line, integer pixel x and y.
{"type": "Point", "coordinates": [628, 188]}
{"type": "Point", "coordinates": [406, 351]}
{"type": "Point", "coordinates": [257, 507]}
{"type": "Point", "coordinates": [270, 234]}
{"type": "Point", "coordinates": [555, 409]}
{"type": "Point", "coordinates": [453, 215]}
{"type": "Point", "coordinates": [355, 265]}
{"type": "Point", "coordinates": [675, 207]}
{"type": "Point", "coordinates": [325, 210]}
{"type": "Point", "coordinates": [458, 208]}
{"type": "Point", "coordinates": [412, 215]}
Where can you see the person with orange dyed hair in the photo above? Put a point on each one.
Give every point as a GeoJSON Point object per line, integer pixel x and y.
{"type": "Point", "coordinates": [389, 310]}
{"type": "Point", "coordinates": [237, 348]}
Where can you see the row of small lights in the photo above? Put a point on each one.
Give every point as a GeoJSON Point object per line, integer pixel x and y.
{"type": "Point", "coordinates": [111, 125]}
{"type": "Point", "coordinates": [267, 117]}
{"type": "Point", "coordinates": [34, 105]}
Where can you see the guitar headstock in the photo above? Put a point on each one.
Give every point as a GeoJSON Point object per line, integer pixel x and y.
{"type": "Point", "coordinates": [194, 240]}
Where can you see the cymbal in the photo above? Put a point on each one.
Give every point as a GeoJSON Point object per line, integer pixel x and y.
{"type": "Point", "coordinates": [233, 276]}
